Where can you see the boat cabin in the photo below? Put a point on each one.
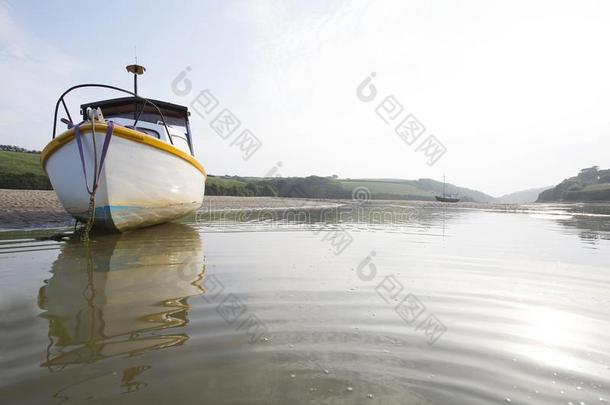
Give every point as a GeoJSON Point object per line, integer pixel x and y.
{"type": "Point", "coordinates": [167, 122]}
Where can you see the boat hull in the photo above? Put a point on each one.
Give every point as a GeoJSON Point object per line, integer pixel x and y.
{"type": "Point", "coordinates": [447, 199]}
{"type": "Point", "coordinates": [143, 181]}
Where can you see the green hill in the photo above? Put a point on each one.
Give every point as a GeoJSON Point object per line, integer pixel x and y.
{"type": "Point", "coordinates": [389, 189]}
{"type": "Point", "coordinates": [331, 187]}
{"type": "Point", "coordinates": [590, 185]}
{"type": "Point", "coordinates": [422, 189]}
{"type": "Point", "coordinates": [22, 170]}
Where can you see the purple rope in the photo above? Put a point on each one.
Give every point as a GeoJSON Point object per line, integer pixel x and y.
{"type": "Point", "coordinates": [79, 142]}
{"type": "Point", "coordinates": [109, 132]}
{"type": "Point", "coordinates": [105, 148]}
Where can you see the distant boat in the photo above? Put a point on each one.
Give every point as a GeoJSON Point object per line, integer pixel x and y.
{"type": "Point", "coordinates": [128, 164]}
{"type": "Point", "coordinates": [448, 198]}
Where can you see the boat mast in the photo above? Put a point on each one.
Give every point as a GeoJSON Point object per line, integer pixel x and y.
{"type": "Point", "coordinates": [443, 185]}
{"type": "Point", "coordinates": [136, 70]}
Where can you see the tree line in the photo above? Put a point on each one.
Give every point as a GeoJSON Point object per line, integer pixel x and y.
{"type": "Point", "coordinates": [296, 187]}
{"type": "Point", "coordinates": [13, 148]}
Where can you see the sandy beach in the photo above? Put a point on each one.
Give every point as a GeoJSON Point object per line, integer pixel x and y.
{"type": "Point", "coordinates": [21, 209]}
{"type": "Point", "coordinates": [31, 208]}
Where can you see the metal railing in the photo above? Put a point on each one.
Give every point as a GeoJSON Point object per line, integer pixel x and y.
{"type": "Point", "coordinates": [105, 86]}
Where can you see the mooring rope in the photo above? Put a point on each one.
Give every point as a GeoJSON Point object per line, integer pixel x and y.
{"type": "Point", "coordinates": [90, 218]}
{"type": "Point", "coordinates": [96, 172]}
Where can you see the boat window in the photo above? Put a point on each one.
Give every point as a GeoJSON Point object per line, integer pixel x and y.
{"type": "Point", "coordinates": [150, 132]}
{"type": "Point", "coordinates": [180, 142]}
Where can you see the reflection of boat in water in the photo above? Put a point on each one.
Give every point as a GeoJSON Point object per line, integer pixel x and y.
{"type": "Point", "coordinates": [113, 297]}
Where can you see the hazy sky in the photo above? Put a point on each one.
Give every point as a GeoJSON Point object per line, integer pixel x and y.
{"type": "Point", "coordinates": [517, 92]}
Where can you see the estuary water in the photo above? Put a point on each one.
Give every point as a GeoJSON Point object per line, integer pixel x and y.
{"type": "Point", "coordinates": [370, 304]}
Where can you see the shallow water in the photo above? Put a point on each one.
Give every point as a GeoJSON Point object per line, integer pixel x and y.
{"type": "Point", "coordinates": [380, 304]}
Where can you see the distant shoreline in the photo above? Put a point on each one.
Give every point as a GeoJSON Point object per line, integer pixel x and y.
{"type": "Point", "coordinates": [40, 209]}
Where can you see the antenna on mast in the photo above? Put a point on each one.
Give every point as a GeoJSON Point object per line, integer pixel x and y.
{"type": "Point", "coordinates": [136, 70]}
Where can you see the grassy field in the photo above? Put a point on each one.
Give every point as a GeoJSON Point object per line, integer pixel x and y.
{"type": "Point", "coordinates": [19, 163]}
{"type": "Point", "coordinates": [224, 182]}
{"type": "Point", "coordinates": [389, 187]}
{"type": "Point", "coordinates": [20, 170]}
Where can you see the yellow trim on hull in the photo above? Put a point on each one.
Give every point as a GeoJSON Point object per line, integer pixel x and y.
{"type": "Point", "coordinates": [121, 132]}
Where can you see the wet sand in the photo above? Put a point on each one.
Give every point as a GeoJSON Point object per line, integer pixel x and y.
{"type": "Point", "coordinates": [31, 208]}
{"type": "Point", "coordinates": [26, 209]}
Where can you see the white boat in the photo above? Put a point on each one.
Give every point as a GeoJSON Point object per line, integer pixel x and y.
{"type": "Point", "coordinates": [135, 159]}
